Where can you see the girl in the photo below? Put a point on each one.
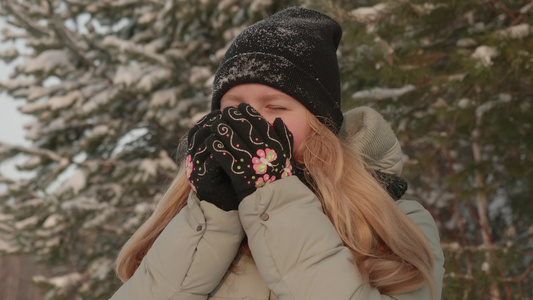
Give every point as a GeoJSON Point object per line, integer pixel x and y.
{"type": "Point", "coordinates": [275, 199]}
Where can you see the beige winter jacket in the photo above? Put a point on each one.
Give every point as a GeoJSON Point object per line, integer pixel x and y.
{"type": "Point", "coordinates": [297, 252]}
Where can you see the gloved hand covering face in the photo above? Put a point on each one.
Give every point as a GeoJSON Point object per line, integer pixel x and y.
{"type": "Point", "coordinates": [251, 151]}
{"type": "Point", "coordinates": [207, 179]}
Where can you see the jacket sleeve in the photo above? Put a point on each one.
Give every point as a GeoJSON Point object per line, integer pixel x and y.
{"type": "Point", "coordinates": [416, 212]}
{"type": "Point", "coordinates": [189, 258]}
{"type": "Point", "coordinates": [297, 249]}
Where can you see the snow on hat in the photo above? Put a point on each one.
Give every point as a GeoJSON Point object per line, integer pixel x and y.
{"type": "Point", "coordinates": [293, 51]}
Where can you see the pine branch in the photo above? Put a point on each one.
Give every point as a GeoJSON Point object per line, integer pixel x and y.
{"type": "Point", "coordinates": [32, 27]}
{"type": "Point", "coordinates": [459, 276]}
{"type": "Point", "coordinates": [64, 39]}
{"type": "Point", "coordinates": [455, 247]}
{"type": "Point", "coordinates": [33, 150]}
{"type": "Point", "coordinates": [4, 179]}
{"type": "Point", "coordinates": [520, 278]}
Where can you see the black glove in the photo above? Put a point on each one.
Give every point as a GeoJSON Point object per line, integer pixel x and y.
{"type": "Point", "coordinates": [207, 179]}
{"type": "Point", "coordinates": [251, 151]}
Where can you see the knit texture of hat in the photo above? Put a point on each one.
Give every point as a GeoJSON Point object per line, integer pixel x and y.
{"type": "Point", "coordinates": [368, 132]}
{"type": "Point", "coordinates": [293, 51]}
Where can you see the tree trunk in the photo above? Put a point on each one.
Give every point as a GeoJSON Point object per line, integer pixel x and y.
{"type": "Point", "coordinates": [16, 272]}
{"type": "Point", "coordinates": [481, 203]}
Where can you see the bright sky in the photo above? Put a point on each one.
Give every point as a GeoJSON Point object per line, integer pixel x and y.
{"type": "Point", "coordinates": [11, 129]}
{"type": "Point", "coordinates": [11, 120]}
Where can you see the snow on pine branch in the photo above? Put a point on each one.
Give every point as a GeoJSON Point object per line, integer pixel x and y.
{"type": "Point", "coordinates": [101, 267]}
{"type": "Point", "coordinates": [147, 169]}
{"type": "Point", "coordinates": [74, 184]}
{"type": "Point", "coordinates": [368, 14]}
{"type": "Point", "coordinates": [526, 8]}
{"type": "Point", "coordinates": [31, 150]}
{"type": "Point", "coordinates": [426, 8]}
{"type": "Point", "coordinates": [9, 54]}
{"type": "Point", "coordinates": [127, 46]}
{"type": "Point", "coordinates": [60, 102]}
{"type": "Point", "coordinates": [376, 12]}
{"type": "Point", "coordinates": [47, 61]}
{"type": "Point", "coordinates": [16, 83]}
{"type": "Point", "coordinates": [165, 98]}
{"type": "Point", "coordinates": [61, 282]}
{"type": "Point", "coordinates": [127, 75]}
{"type": "Point", "coordinates": [519, 31]}
{"type": "Point", "coordinates": [10, 35]}
{"type": "Point", "coordinates": [152, 78]}
{"type": "Point", "coordinates": [383, 93]}
{"type": "Point", "coordinates": [22, 19]}
{"type": "Point", "coordinates": [8, 247]}
{"type": "Point", "coordinates": [485, 54]}
{"type": "Point", "coordinates": [31, 163]}
{"type": "Point", "coordinates": [83, 203]}
{"type": "Point", "coordinates": [502, 100]}
{"type": "Point", "coordinates": [37, 92]}
{"type": "Point", "coordinates": [6, 226]}
{"type": "Point", "coordinates": [100, 99]}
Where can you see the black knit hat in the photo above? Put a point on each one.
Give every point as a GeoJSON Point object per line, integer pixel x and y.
{"type": "Point", "coordinates": [293, 51]}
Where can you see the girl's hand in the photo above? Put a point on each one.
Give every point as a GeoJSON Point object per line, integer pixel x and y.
{"type": "Point", "coordinates": [251, 151]}
{"type": "Point", "coordinates": [207, 179]}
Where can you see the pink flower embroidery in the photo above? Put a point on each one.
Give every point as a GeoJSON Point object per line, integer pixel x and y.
{"type": "Point", "coordinates": [262, 181]}
{"type": "Point", "coordinates": [287, 170]}
{"type": "Point", "coordinates": [264, 159]}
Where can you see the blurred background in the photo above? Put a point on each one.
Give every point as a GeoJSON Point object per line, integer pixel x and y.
{"type": "Point", "coordinates": [95, 96]}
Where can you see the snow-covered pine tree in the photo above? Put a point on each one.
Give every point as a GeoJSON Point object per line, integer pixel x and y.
{"type": "Point", "coordinates": [112, 86]}
{"type": "Point", "coordinates": [455, 79]}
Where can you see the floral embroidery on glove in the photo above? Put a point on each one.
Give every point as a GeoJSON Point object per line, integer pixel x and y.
{"type": "Point", "coordinates": [263, 160]}
{"type": "Point", "coordinates": [262, 181]}
{"type": "Point", "coordinates": [287, 170]}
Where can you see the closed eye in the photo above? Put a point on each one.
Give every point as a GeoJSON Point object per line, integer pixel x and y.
{"type": "Point", "coordinates": [275, 107]}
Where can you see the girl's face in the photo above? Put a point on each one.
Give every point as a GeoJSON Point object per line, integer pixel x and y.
{"type": "Point", "coordinates": [271, 104]}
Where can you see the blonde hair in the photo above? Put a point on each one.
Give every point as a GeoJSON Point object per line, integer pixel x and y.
{"type": "Point", "coordinates": [390, 251]}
